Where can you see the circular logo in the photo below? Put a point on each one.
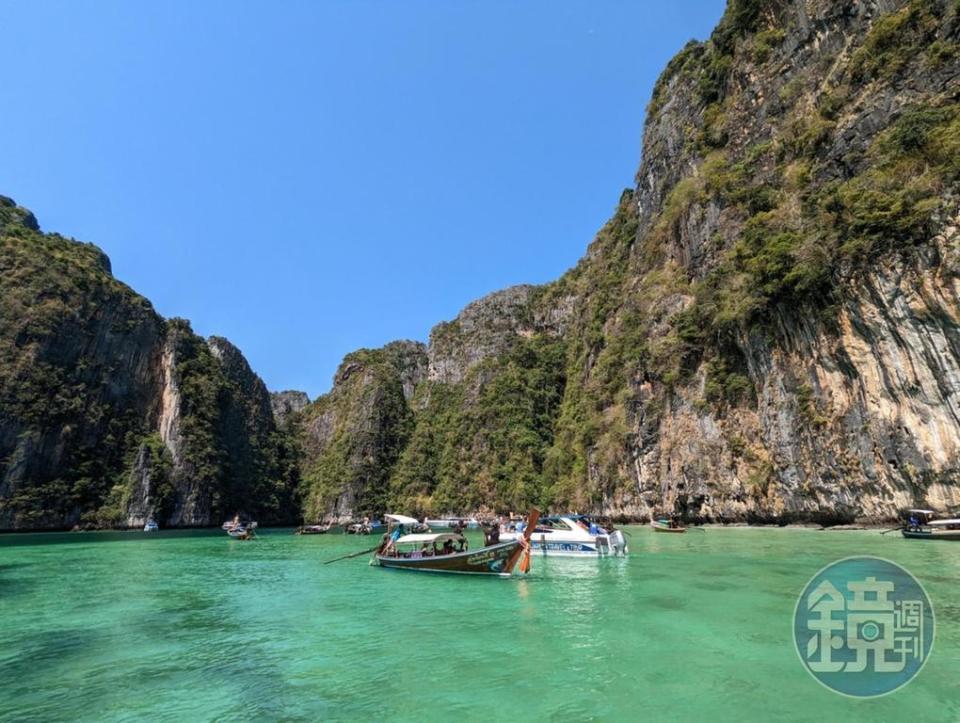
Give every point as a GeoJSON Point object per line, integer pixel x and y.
{"type": "Point", "coordinates": [863, 626]}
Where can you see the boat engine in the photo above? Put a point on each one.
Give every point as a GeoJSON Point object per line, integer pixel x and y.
{"type": "Point", "coordinates": [617, 542]}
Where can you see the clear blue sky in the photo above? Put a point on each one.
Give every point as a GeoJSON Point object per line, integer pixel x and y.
{"type": "Point", "coordinates": [306, 178]}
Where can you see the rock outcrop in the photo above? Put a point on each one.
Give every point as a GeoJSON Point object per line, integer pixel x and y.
{"type": "Point", "coordinates": [767, 329]}
{"type": "Point", "coordinates": [110, 415]}
{"type": "Point", "coordinates": [286, 404]}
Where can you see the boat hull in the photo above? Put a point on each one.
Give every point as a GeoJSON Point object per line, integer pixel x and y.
{"type": "Point", "coordinates": [665, 528]}
{"type": "Point", "coordinates": [494, 560]}
{"type": "Point", "coordinates": [559, 545]}
{"type": "Point", "coordinates": [931, 534]}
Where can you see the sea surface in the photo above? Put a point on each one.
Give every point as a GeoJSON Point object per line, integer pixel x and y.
{"type": "Point", "coordinates": [194, 626]}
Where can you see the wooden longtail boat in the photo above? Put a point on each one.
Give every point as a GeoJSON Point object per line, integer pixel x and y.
{"type": "Point", "coordinates": [934, 530]}
{"type": "Point", "coordinates": [923, 525]}
{"type": "Point", "coordinates": [407, 553]}
{"type": "Point", "coordinates": [314, 530]}
{"type": "Point", "coordinates": [663, 526]}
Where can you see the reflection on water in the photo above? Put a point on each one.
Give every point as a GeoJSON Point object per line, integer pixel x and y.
{"type": "Point", "coordinates": [192, 625]}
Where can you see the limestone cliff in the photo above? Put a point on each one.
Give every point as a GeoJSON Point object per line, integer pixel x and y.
{"type": "Point", "coordinates": [353, 435]}
{"type": "Point", "coordinates": [110, 415]}
{"type": "Point", "coordinates": [286, 404]}
{"type": "Point", "coordinates": [768, 326]}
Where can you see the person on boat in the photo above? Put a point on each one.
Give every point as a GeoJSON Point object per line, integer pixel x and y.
{"type": "Point", "coordinates": [491, 535]}
{"type": "Point", "coordinates": [594, 528]}
{"type": "Point", "coordinates": [447, 548]}
{"type": "Point", "coordinates": [236, 522]}
{"type": "Point", "coordinates": [914, 523]}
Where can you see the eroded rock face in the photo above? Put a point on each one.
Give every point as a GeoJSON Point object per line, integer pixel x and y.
{"type": "Point", "coordinates": [110, 415]}
{"type": "Point", "coordinates": [354, 435]}
{"type": "Point", "coordinates": [287, 403]}
{"type": "Point", "coordinates": [730, 352]}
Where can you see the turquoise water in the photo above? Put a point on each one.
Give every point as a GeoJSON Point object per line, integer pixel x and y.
{"type": "Point", "coordinates": [194, 626]}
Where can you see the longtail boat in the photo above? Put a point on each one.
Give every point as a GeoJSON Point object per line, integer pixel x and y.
{"type": "Point", "coordinates": [664, 526]}
{"type": "Point", "coordinates": [421, 553]}
{"type": "Point", "coordinates": [314, 529]}
{"type": "Point", "coordinates": [922, 526]}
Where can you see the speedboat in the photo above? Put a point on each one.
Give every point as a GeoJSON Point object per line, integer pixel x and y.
{"type": "Point", "coordinates": [572, 536]}
{"type": "Point", "coordinates": [450, 523]}
{"type": "Point", "coordinates": [151, 526]}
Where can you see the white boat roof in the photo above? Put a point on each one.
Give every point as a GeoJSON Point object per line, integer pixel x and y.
{"type": "Point", "coordinates": [403, 519]}
{"type": "Point", "coordinates": [923, 512]}
{"type": "Point", "coordinates": [954, 521]}
{"type": "Point", "coordinates": [437, 537]}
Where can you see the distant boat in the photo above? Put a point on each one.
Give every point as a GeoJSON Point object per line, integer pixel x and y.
{"type": "Point", "coordinates": [314, 530]}
{"type": "Point", "coordinates": [243, 531]}
{"type": "Point", "coordinates": [923, 526]}
{"type": "Point", "coordinates": [450, 523]}
{"type": "Point", "coordinates": [665, 526]}
{"type": "Point", "coordinates": [367, 527]}
{"type": "Point", "coordinates": [151, 526]}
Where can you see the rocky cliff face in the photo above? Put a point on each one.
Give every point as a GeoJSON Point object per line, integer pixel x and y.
{"type": "Point", "coordinates": [110, 415]}
{"type": "Point", "coordinates": [767, 327]}
{"type": "Point", "coordinates": [287, 404]}
{"type": "Point", "coordinates": [354, 434]}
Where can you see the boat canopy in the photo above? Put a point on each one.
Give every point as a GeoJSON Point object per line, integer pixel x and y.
{"type": "Point", "coordinates": [923, 512]}
{"type": "Point", "coordinates": [427, 538]}
{"type": "Point", "coordinates": [944, 523]}
{"type": "Point", "coordinates": [403, 519]}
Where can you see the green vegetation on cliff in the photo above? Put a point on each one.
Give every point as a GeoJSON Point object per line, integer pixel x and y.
{"type": "Point", "coordinates": [80, 386]}
{"type": "Point", "coordinates": [787, 158]}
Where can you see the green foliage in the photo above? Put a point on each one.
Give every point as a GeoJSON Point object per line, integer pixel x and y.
{"type": "Point", "coordinates": [725, 386]}
{"type": "Point", "coordinates": [680, 64]}
{"type": "Point", "coordinates": [807, 406]}
{"type": "Point", "coordinates": [67, 418]}
{"type": "Point", "coordinates": [765, 42]}
{"type": "Point", "coordinates": [894, 39]}
{"type": "Point", "coordinates": [890, 206]}
{"type": "Point", "coordinates": [369, 424]}
{"type": "Point", "coordinates": [483, 441]}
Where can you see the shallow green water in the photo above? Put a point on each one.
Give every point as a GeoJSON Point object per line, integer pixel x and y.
{"type": "Point", "coordinates": [194, 626]}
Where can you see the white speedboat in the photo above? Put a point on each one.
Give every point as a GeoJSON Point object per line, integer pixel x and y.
{"type": "Point", "coordinates": [572, 536]}
{"type": "Point", "coordinates": [449, 523]}
{"type": "Point", "coordinates": [151, 526]}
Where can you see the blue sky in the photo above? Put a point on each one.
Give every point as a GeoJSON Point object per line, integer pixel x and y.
{"type": "Point", "coordinates": [307, 178]}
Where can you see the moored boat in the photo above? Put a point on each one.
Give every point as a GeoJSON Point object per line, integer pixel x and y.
{"type": "Point", "coordinates": [151, 526]}
{"type": "Point", "coordinates": [572, 536]}
{"type": "Point", "coordinates": [922, 526]}
{"type": "Point", "coordinates": [453, 523]}
{"type": "Point", "coordinates": [666, 526]}
{"type": "Point", "coordinates": [420, 553]}
{"type": "Point", "coordinates": [242, 530]}
{"type": "Point", "coordinates": [314, 529]}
